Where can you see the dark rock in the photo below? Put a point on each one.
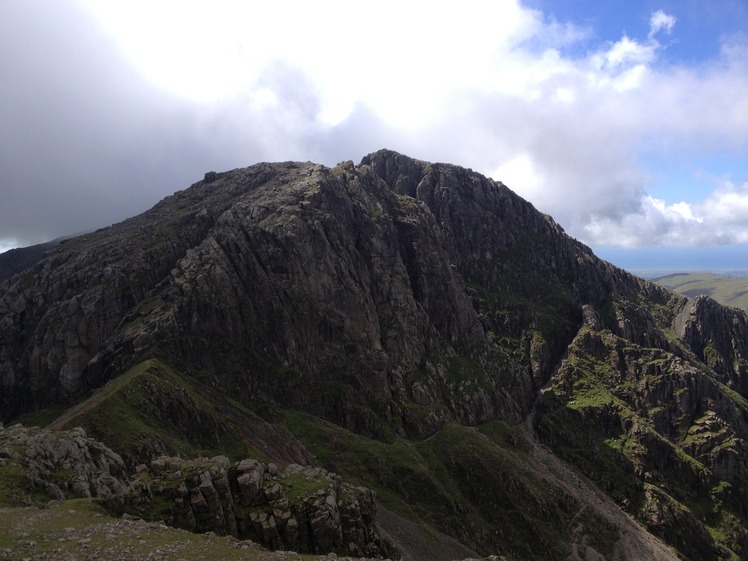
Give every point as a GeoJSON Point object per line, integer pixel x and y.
{"type": "Point", "coordinates": [283, 514]}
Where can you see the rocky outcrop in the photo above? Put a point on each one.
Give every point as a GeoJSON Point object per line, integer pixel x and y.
{"type": "Point", "coordinates": [718, 335]}
{"type": "Point", "coordinates": [40, 465]}
{"type": "Point", "coordinates": [298, 508]}
{"type": "Point", "coordinates": [16, 260]}
{"type": "Point", "coordinates": [665, 439]}
{"type": "Point", "coordinates": [388, 270]}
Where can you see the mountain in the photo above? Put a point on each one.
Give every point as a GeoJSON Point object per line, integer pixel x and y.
{"type": "Point", "coordinates": [16, 260]}
{"type": "Point", "coordinates": [415, 328]}
{"type": "Point", "coordinates": [727, 289]}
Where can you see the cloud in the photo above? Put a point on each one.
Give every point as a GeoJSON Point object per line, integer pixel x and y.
{"type": "Point", "coordinates": [115, 105]}
{"type": "Point", "coordinates": [719, 219]}
{"type": "Point", "coordinates": [660, 21]}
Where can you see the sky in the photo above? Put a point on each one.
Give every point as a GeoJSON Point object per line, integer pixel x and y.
{"type": "Point", "coordinates": [625, 120]}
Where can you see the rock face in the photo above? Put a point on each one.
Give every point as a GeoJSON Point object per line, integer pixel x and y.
{"type": "Point", "coordinates": [718, 335]}
{"type": "Point", "coordinates": [385, 270]}
{"type": "Point", "coordinates": [16, 260]}
{"type": "Point", "coordinates": [391, 299]}
{"type": "Point", "coordinates": [662, 436]}
{"type": "Point", "coordinates": [42, 465]}
{"type": "Point", "coordinates": [298, 508]}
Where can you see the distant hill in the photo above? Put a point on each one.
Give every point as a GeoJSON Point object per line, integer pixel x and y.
{"type": "Point", "coordinates": [729, 290]}
{"type": "Point", "coordinates": [16, 260]}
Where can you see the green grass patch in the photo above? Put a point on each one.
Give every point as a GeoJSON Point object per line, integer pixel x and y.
{"type": "Point", "coordinates": [14, 486]}
{"type": "Point", "coordinates": [41, 418]}
{"type": "Point", "coordinates": [298, 487]}
{"type": "Point", "coordinates": [506, 435]}
{"type": "Point", "coordinates": [728, 531]}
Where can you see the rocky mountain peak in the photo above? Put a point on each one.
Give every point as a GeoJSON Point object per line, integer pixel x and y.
{"type": "Point", "coordinates": [415, 314]}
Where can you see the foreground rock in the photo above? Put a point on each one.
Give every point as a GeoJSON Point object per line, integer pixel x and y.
{"type": "Point", "coordinates": [78, 530]}
{"type": "Point", "coordinates": [38, 465]}
{"type": "Point", "coordinates": [298, 508]}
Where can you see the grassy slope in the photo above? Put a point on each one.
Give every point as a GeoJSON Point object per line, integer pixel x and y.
{"type": "Point", "coordinates": [152, 408]}
{"type": "Point", "coordinates": [730, 291]}
{"type": "Point", "coordinates": [475, 485]}
{"type": "Point", "coordinates": [480, 485]}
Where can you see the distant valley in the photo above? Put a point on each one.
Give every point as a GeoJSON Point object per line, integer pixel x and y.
{"type": "Point", "coordinates": [729, 288]}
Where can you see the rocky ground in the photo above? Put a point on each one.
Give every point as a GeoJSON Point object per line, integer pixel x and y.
{"type": "Point", "coordinates": [77, 530]}
{"type": "Point", "coordinates": [299, 508]}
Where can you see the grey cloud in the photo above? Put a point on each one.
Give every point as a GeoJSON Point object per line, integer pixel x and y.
{"type": "Point", "coordinates": [92, 144]}
{"type": "Point", "coordinates": [78, 125]}
{"type": "Point", "coordinates": [87, 142]}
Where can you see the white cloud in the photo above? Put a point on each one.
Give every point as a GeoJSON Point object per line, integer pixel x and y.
{"type": "Point", "coordinates": [490, 85]}
{"type": "Point", "coordinates": [719, 219]}
{"type": "Point", "coordinates": [349, 52]}
{"type": "Point", "coordinates": [624, 52]}
{"type": "Point", "coordinates": [521, 170]}
{"type": "Point", "coordinates": [660, 21]}
{"type": "Point", "coordinates": [727, 206]}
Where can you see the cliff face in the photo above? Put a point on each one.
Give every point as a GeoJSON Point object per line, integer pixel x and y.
{"type": "Point", "coordinates": [391, 299]}
{"type": "Point", "coordinates": [384, 270]}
